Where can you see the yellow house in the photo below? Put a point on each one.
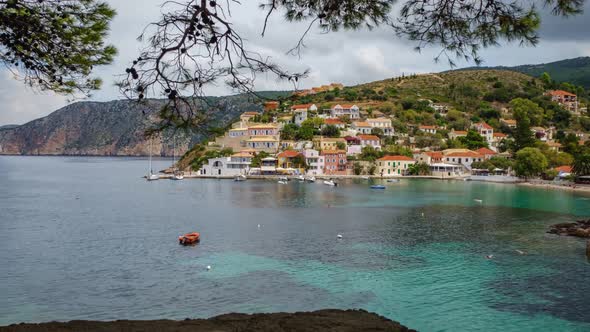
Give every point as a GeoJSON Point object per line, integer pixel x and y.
{"type": "Point", "coordinates": [327, 143]}
{"type": "Point", "coordinates": [394, 165]}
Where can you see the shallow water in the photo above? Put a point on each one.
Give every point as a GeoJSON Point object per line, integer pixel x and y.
{"type": "Point", "coordinates": [87, 238]}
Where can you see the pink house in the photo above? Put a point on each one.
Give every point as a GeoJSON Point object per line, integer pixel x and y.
{"type": "Point", "coordinates": [334, 162]}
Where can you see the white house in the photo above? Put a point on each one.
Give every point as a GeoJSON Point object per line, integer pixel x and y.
{"type": "Point", "coordinates": [238, 132]}
{"type": "Point", "coordinates": [370, 140]}
{"type": "Point", "coordinates": [347, 110]}
{"type": "Point", "coordinates": [465, 158]}
{"type": "Point", "coordinates": [300, 116]}
{"type": "Point", "coordinates": [428, 129]}
{"type": "Point", "coordinates": [334, 122]}
{"type": "Point", "coordinates": [362, 127]}
{"type": "Point", "coordinates": [263, 143]}
{"type": "Point", "coordinates": [382, 123]}
{"type": "Point", "coordinates": [485, 130]}
{"type": "Point", "coordinates": [305, 107]}
{"type": "Point", "coordinates": [237, 164]}
{"type": "Point", "coordinates": [314, 161]}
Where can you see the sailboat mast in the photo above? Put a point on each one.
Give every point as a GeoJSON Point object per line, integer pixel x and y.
{"type": "Point", "coordinates": [151, 141]}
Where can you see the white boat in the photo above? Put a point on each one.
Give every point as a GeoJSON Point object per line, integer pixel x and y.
{"type": "Point", "coordinates": [151, 176]}
{"type": "Point", "coordinates": [301, 178]}
{"type": "Point", "coordinates": [364, 177]}
{"type": "Point", "coordinates": [330, 183]}
{"type": "Point", "coordinates": [178, 176]}
{"type": "Point", "coordinates": [282, 182]}
{"type": "Point", "coordinates": [393, 180]}
{"type": "Point", "coordinates": [284, 178]}
{"type": "Point", "coordinates": [310, 179]}
{"type": "Point", "coordinates": [240, 177]}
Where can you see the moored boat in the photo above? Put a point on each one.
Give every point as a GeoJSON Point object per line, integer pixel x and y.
{"type": "Point", "coordinates": [301, 178]}
{"type": "Point", "coordinates": [240, 177]}
{"type": "Point", "coordinates": [377, 186]}
{"type": "Point", "coordinates": [392, 180]}
{"type": "Point", "coordinates": [177, 176]}
{"type": "Point", "coordinates": [282, 182]}
{"type": "Point", "coordinates": [330, 183]}
{"type": "Point", "coordinates": [189, 238]}
{"type": "Point", "coordinates": [310, 179]}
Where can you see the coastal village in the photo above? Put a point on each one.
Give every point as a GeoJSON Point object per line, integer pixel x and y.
{"type": "Point", "coordinates": [348, 139]}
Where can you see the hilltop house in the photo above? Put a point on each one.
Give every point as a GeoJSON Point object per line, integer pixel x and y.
{"type": "Point", "coordinates": [370, 140]}
{"type": "Point", "coordinates": [305, 107]}
{"type": "Point", "coordinates": [328, 143]}
{"type": "Point", "coordinates": [263, 130]}
{"type": "Point", "coordinates": [334, 122]}
{"type": "Point", "coordinates": [271, 106]}
{"type": "Point", "coordinates": [508, 123]}
{"type": "Point", "coordinates": [394, 165]}
{"type": "Point", "coordinates": [263, 143]}
{"type": "Point", "coordinates": [427, 129]}
{"type": "Point", "coordinates": [345, 110]}
{"type": "Point", "coordinates": [484, 130]}
{"type": "Point", "coordinates": [300, 116]}
{"type": "Point", "coordinates": [247, 116]}
{"type": "Point", "coordinates": [362, 127]}
{"type": "Point", "coordinates": [566, 99]}
{"type": "Point", "coordinates": [314, 161]}
{"type": "Point", "coordinates": [486, 153]}
{"type": "Point", "coordinates": [334, 162]}
{"type": "Point", "coordinates": [382, 123]}
{"type": "Point", "coordinates": [454, 134]}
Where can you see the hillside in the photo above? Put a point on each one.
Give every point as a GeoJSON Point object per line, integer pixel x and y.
{"type": "Point", "coordinates": [114, 128]}
{"type": "Point", "coordinates": [575, 71]}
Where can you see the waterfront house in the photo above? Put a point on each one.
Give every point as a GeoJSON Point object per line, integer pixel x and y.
{"type": "Point", "coordinates": [268, 166]}
{"type": "Point", "coordinates": [236, 164]}
{"type": "Point", "coordinates": [314, 161]}
{"type": "Point", "coordinates": [334, 122]}
{"type": "Point", "coordinates": [382, 123]}
{"type": "Point", "coordinates": [484, 130]}
{"type": "Point", "coordinates": [362, 127]}
{"type": "Point", "coordinates": [334, 162]}
{"type": "Point", "coordinates": [428, 157]}
{"type": "Point", "coordinates": [446, 170]}
{"type": "Point", "coordinates": [247, 116]}
{"type": "Point", "coordinates": [486, 153]}
{"type": "Point", "coordinates": [263, 143]}
{"type": "Point", "coordinates": [370, 140]}
{"type": "Point", "coordinates": [394, 165]}
{"type": "Point", "coordinates": [566, 99]}
{"type": "Point", "coordinates": [454, 134]}
{"type": "Point", "coordinates": [427, 129]}
{"type": "Point", "coordinates": [291, 161]}
{"type": "Point", "coordinates": [345, 110]}
{"type": "Point", "coordinates": [462, 157]}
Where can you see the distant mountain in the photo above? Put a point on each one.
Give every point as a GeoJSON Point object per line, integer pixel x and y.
{"type": "Point", "coordinates": [114, 128]}
{"type": "Point", "coordinates": [575, 71]}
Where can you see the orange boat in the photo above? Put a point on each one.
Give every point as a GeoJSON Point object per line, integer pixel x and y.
{"type": "Point", "coordinates": [189, 238]}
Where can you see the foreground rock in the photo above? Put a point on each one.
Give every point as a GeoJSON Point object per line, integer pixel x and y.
{"type": "Point", "coordinates": [579, 228]}
{"type": "Point", "coordinates": [322, 320]}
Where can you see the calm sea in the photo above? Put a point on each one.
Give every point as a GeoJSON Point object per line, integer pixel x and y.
{"type": "Point", "coordinates": [88, 238]}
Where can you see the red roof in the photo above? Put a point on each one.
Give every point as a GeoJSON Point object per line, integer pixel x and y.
{"type": "Point", "coordinates": [368, 137]}
{"type": "Point", "coordinates": [427, 127]}
{"type": "Point", "coordinates": [434, 155]}
{"type": "Point", "coordinates": [484, 125]}
{"type": "Point", "coordinates": [396, 158]}
{"type": "Point", "coordinates": [288, 154]}
{"type": "Point", "coordinates": [459, 132]}
{"type": "Point", "coordinates": [332, 121]}
{"type": "Point", "coordinates": [352, 139]}
{"type": "Point", "coordinates": [301, 106]}
{"type": "Point", "coordinates": [499, 135]}
{"type": "Point", "coordinates": [560, 93]}
{"type": "Point", "coordinates": [485, 151]}
{"type": "Point", "coordinates": [564, 169]}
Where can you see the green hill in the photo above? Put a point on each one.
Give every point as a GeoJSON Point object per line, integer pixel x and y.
{"type": "Point", "coordinates": [575, 71]}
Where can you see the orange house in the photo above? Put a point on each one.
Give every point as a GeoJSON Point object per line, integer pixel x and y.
{"type": "Point", "coordinates": [334, 162]}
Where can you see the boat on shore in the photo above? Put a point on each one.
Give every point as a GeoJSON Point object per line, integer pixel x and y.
{"type": "Point", "coordinates": [189, 239]}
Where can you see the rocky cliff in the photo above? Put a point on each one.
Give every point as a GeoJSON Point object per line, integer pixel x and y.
{"type": "Point", "coordinates": [115, 128]}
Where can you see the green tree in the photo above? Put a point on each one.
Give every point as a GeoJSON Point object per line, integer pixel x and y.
{"type": "Point", "coordinates": [315, 123]}
{"type": "Point", "coordinates": [530, 162]}
{"type": "Point", "coordinates": [54, 45]}
{"type": "Point", "coordinates": [305, 133]}
{"type": "Point", "coordinates": [330, 131]}
{"type": "Point", "coordinates": [377, 132]}
{"type": "Point", "coordinates": [419, 169]}
{"type": "Point", "coordinates": [473, 140]}
{"type": "Point", "coordinates": [546, 80]}
{"type": "Point", "coordinates": [257, 160]}
{"type": "Point", "coordinates": [289, 131]}
{"type": "Point", "coordinates": [523, 137]}
{"type": "Point", "coordinates": [341, 145]}
{"type": "Point", "coordinates": [530, 108]}
{"type": "Point", "coordinates": [581, 165]}
{"type": "Point", "coordinates": [357, 168]}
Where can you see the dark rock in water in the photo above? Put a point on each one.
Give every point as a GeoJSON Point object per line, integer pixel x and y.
{"type": "Point", "coordinates": [579, 228]}
{"type": "Point", "coordinates": [321, 320]}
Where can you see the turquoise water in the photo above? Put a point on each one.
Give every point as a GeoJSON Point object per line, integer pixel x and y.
{"type": "Point", "coordinates": [86, 238]}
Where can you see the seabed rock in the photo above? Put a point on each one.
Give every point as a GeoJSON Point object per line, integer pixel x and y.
{"type": "Point", "coordinates": [321, 320]}
{"type": "Point", "coordinates": [579, 228]}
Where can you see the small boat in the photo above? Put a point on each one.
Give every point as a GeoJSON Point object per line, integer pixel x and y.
{"type": "Point", "coordinates": [177, 176]}
{"type": "Point", "coordinates": [330, 183]}
{"type": "Point", "coordinates": [393, 180]}
{"type": "Point", "coordinates": [283, 178]}
{"type": "Point", "coordinates": [377, 186]}
{"type": "Point", "coordinates": [301, 178]}
{"type": "Point", "coordinates": [153, 177]}
{"type": "Point", "coordinates": [189, 238]}
{"type": "Point", "coordinates": [478, 201]}
{"type": "Point", "coordinates": [310, 179]}
{"type": "Point", "coordinates": [240, 177]}
{"type": "Point", "coordinates": [364, 177]}
{"type": "Point", "coordinates": [282, 182]}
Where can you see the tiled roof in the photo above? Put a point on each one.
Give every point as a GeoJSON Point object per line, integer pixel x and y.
{"type": "Point", "coordinates": [263, 126]}
{"type": "Point", "coordinates": [396, 158]}
{"type": "Point", "coordinates": [434, 154]}
{"type": "Point", "coordinates": [301, 106]}
{"type": "Point", "coordinates": [250, 113]}
{"type": "Point", "coordinates": [242, 154]}
{"type": "Point", "coordinates": [485, 151]}
{"type": "Point", "coordinates": [500, 135]}
{"type": "Point", "coordinates": [427, 127]}
{"type": "Point", "coordinates": [332, 121]}
{"type": "Point", "coordinates": [379, 120]}
{"type": "Point", "coordinates": [289, 154]}
{"type": "Point", "coordinates": [564, 169]}
{"type": "Point", "coordinates": [325, 152]}
{"type": "Point", "coordinates": [470, 154]}
{"type": "Point", "coordinates": [344, 106]}
{"type": "Point", "coordinates": [561, 93]}
{"type": "Point", "coordinates": [361, 124]}
{"type": "Point", "coordinates": [484, 125]}
{"type": "Point", "coordinates": [263, 139]}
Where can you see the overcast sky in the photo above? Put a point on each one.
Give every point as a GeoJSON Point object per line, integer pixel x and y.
{"type": "Point", "coordinates": [344, 57]}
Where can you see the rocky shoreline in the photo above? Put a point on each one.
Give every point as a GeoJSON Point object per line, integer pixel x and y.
{"type": "Point", "coordinates": [580, 228]}
{"type": "Point", "coordinates": [321, 320]}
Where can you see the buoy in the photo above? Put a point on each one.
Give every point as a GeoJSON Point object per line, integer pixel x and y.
{"type": "Point", "coordinates": [339, 236]}
{"type": "Point", "coordinates": [490, 256]}
{"type": "Point", "coordinates": [208, 267]}
{"type": "Point", "coordinates": [520, 252]}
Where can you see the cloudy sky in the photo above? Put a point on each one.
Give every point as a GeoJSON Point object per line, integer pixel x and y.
{"type": "Point", "coordinates": [345, 57]}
